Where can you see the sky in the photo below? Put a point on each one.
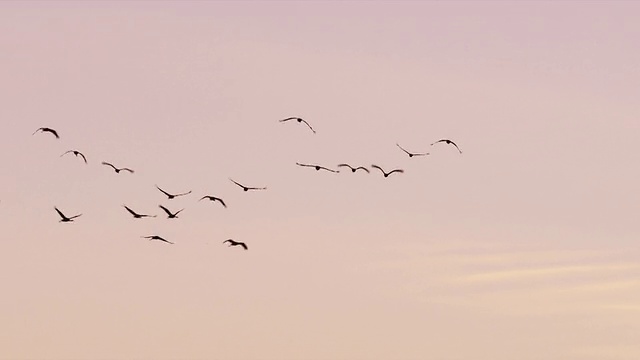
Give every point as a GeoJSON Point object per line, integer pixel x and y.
{"type": "Point", "coordinates": [525, 246]}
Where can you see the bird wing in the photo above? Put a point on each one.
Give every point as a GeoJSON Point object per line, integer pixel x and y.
{"type": "Point", "coordinates": [363, 168]}
{"type": "Point", "coordinates": [377, 167]}
{"type": "Point", "coordinates": [161, 239]}
{"type": "Point", "coordinates": [257, 188]}
{"type": "Point", "coordinates": [230, 241]}
{"type": "Point", "coordinates": [347, 165]}
{"type": "Point", "coordinates": [60, 213]}
{"type": "Point", "coordinates": [221, 201]}
{"type": "Point", "coordinates": [178, 212]}
{"type": "Point", "coordinates": [244, 245]}
{"type": "Point", "coordinates": [83, 157]}
{"type": "Point", "coordinates": [108, 164]}
{"type": "Point", "coordinates": [307, 165]}
{"type": "Point", "coordinates": [55, 133]}
{"type": "Point", "coordinates": [441, 140]}
{"type": "Point", "coordinates": [73, 217]}
{"type": "Point", "coordinates": [131, 211]}
{"type": "Point", "coordinates": [395, 170]}
{"type": "Point", "coordinates": [187, 193]}
{"type": "Point", "coordinates": [165, 210]}
{"type": "Point", "coordinates": [205, 197]}
{"type": "Point", "coordinates": [66, 153]}
{"type": "Point", "coordinates": [237, 183]}
{"type": "Point", "coordinates": [35, 132]}
{"type": "Point", "coordinates": [127, 169]}
{"type": "Point", "coordinates": [287, 119]}
{"type": "Point", "coordinates": [454, 144]}
{"type": "Point", "coordinates": [324, 168]}
{"type": "Point", "coordinates": [401, 148]}
{"type": "Point", "coordinates": [305, 121]}
{"type": "Point", "coordinates": [164, 192]}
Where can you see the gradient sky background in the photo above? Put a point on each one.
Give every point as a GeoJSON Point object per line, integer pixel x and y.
{"type": "Point", "coordinates": [523, 247]}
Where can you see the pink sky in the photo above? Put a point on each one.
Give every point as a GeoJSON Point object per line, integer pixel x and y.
{"type": "Point", "coordinates": [523, 247]}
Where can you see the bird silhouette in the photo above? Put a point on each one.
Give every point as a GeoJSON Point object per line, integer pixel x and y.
{"type": "Point", "coordinates": [354, 169]}
{"type": "Point", "coordinates": [236, 243]}
{"type": "Point", "coordinates": [447, 141]}
{"type": "Point", "coordinates": [317, 167]}
{"type": "Point", "coordinates": [170, 215]}
{"type": "Point", "coordinates": [116, 169]}
{"type": "Point", "coordinates": [410, 153]}
{"type": "Point", "coordinates": [247, 188]}
{"type": "Point", "coordinates": [213, 198]}
{"type": "Point", "coordinates": [156, 237]}
{"type": "Point", "coordinates": [64, 218]}
{"type": "Point", "coordinates": [49, 130]}
{"type": "Point", "coordinates": [386, 174]}
{"type": "Point", "coordinates": [171, 196]}
{"type": "Point", "coordinates": [76, 153]}
{"type": "Point", "coordinates": [136, 215]}
{"type": "Point", "coordinates": [300, 120]}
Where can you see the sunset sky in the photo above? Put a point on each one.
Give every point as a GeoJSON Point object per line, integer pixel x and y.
{"type": "Point", "coordinates": [524, 247]}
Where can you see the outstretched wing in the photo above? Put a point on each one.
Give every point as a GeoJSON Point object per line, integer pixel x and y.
{"type": "Point", "coordinates": [305, 121]}
{"type": "Point", "coordinates": [66, 153]}
{"type": "Point", "coordinates": [221, 201]}
{"type": "Point", "coordinates": [345, 165]}
{"type": "Point", "coordinates": [187, 193]}
{"type": "Point", "coordinates": [395, 170]}
{"type": "Point", "coordinates": [324, 168]}
{"type": "Point", "coordinates": [60, 213]}
{"type": "Point", "coordinates": [73, 217]}
{"type": "Point", "coordinates": [237, 183]}
{"type": "Point", "coordinates": [243, 245]}
{"type": "Point", "coordinates": [305, 165]}
{"type": "Point", "coordinates": [127, 169]}
{"type": "Point", "coordinates": [454, 144]}
{"type": "Point", "coordinates": [164, 192]}
{"type": "Point", "coordinates": [166, 210]}
{"type": "Point", "coordinates": [363, 168]}
{"type": "Point", "coordinates": [131, 211]}
{"type": "Point", "coordinates": [287, 119]}
{"type": "Point", "coordinates": [377, 167]}
{"type": "Point", "coordinates": [108, 164]}
{"type": "Point", "coordinates": [403, 149]}
{"type": "Point", "coordinates": [83, 157]}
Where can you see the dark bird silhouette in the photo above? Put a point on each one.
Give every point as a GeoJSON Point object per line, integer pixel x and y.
{"type": "Point", "coordinates": [171, 196]}
{"type": "Point", "coordinates": [246, 188]}
{"type": "Point", "coordinates": [46, 129]}
{"type": "Point", "coordinates": [447, 141]}
{"type": "Point", "coordinates": [236, 243]}
{"type": "Point", "coordinates": [317, 167]}
{"type": "Point", "coordinates": [353, 169]}
{"type": "Point", "coordinates": [76, 153]}
{"type": "Point", "coordinates": [213, 198]}
{"type": "Point", "coordinates": [300, 120]}
{"type": "Point", "coordinates": [170, 215]}
{"type": "Point", "coordinates": [116, 169]}
{"type": "Point", "coordinates": [410, 153]}
{"type": "Point", "coordinates": [156, 237]}
{"type": "Point", "coordinates": [136, 215]}
{"type": "Point", "coordinates": [387, 173]}
{"type": "Point", "coordinates": [64, 218]}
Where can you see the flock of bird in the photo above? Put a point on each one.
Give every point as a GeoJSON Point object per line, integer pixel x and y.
{"type": "Point", "coordinates": [231, 242]}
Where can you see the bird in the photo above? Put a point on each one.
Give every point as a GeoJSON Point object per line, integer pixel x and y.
{"type": "Point", "coordinates": [156, 237]}
{"type": "Point", "coordinates": [386, 174]}
{"type": "Point", "coordinates": [246, 188]}
{"type": "Point", "coordinates": [116, 169]}
{"type": "Point", "coordinates": [76, 153]}
{"type": "Point", "coordinates": [236, 243]}
{"type": "Point", "coordinates": [353, 169]}
{"type": "Point", "coordinates": [447, 141]}
{"type": "Point", "coordinates": [300, 120]}
{"type": "Point", "coordinates": [410, 153]}
{"type": "Point", "coordinates": [170, 196]}
{"type": "Point", "coordinates": [213, 198]}
{"type": "Point", "coordinates": [46, 129]}
{"type": "Point", "coordinates": [136, 215]}
{"type": "Point", "coordinates": [64, 218]}
{"type": "Point", "coordinates": [317, 167]}
{"type": "Point", "coordinates": [169, 214]}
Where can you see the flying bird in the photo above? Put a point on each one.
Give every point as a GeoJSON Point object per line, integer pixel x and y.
{"type": "Point", "coordinates": [317, 167]}
{"type": "Point", "coordinates": [64, 218]}
{"type": "Point", "coordinates": [116, 169]}
{"type": "Point", "coordinates": [213, 198]}
{"type": "Point", "coordinates": [387, 173]}
{"type": "Point", "coordinates": [447, 141]}
{"type": "Point", "coordinates": [170, 215]}
{"type": "Point", "coordinates": [236, 243]}
{"type": "Point", "coordinates": [136, 215]}
{"type": "Point", "coordinates": [246, 188]}
{"type": "Point", "coordinates": [156, 237]}
{"type": "Point", "coordinates": [76, 153]}
{"type": "Point", "coordinates": [46, 129]}
{"type": "Point", "coordinates": [300, 120]}
{"type": "Point", "coordinates": [410, 153]}
{"type": "Point", "coordinates": [171, 196]}
{"type": "Point", "coordinates": [354, 169]}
